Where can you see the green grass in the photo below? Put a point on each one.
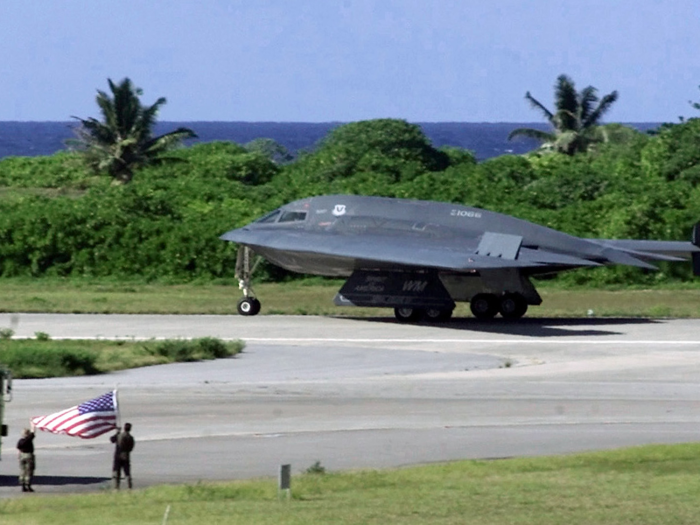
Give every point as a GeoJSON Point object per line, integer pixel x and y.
{"type": "Point", "coordinates": [313, 297]}
{"type": "Point", "coordinates": [652, 485]}
{"type": "Point", "coordinates": [42, 357]}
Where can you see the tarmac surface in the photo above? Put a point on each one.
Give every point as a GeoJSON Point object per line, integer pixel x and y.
{"type": "Point", "coordinates": [362, 393]}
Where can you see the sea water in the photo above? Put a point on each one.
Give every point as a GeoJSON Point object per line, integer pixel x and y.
{"type": "Point", "coordinates": [484, 139]}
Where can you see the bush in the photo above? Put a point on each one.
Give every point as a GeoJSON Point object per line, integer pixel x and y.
{"type": "Point", "coordinates": [185, 350]}
{"type": "Point", "coordinates": [43, 359]}
{"type": "Point", "coordinates": [212, 348]}
{"type": "Point", "coordinates": [316, 468]}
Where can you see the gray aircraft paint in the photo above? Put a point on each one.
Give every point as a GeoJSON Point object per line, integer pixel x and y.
{"type": "Point", "coordinates": [336, 235]}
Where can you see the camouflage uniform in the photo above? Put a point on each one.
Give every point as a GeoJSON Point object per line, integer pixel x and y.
{"type": "Point", "coordinates": [124, 442]}
{"type": "Point", "coordinates": [27, 461]}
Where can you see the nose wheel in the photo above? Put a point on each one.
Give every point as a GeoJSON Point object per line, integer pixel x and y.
{"type": "Point", "coordinates": [248, 305]}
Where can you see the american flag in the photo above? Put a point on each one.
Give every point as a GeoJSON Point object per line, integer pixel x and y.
{"type": "Point", "coordinates": [87, 420]}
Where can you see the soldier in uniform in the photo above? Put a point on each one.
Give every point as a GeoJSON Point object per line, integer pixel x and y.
{"type": "Point", "coordinates": [124, 444]}
{"type": "Point", "coordinates": [27, 461]}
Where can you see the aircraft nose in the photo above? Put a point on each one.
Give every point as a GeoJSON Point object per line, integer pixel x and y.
{"type": "Point", "coordinates": [235, 235]}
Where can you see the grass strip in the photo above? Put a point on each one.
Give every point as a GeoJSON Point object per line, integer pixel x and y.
{"type": "Point", "coordinates": [43, 358]}
{"type": "Point", "coordinates": [315, 297]}
{"type": "Point", "coordinates": [650, 485]}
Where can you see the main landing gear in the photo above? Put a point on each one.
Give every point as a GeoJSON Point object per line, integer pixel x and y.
{"type": "Point", "coordinates": [509, 305]}
{"type": "Point", "coordinates": [483, 306]}
{"type": "Point", "coordinates": [412, 315]}
{"type": "Point", "coordinates": [248, 305]}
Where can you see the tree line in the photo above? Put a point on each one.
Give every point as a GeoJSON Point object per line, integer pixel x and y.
{"type": "Point", "coordinates": [161, 218]}
{"type": "Point", "coordinates": [122, 141]}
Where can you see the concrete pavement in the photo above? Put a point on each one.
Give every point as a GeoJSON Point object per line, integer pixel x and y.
{"type": "Point", "coordinates": [359, 393]}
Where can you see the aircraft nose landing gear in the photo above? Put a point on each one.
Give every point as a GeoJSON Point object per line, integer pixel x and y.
{"type": "Point", "coordinates": [248, 305]}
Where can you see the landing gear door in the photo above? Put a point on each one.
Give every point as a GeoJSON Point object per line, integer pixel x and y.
{"type": "Point", "coordinates": [394, 290]}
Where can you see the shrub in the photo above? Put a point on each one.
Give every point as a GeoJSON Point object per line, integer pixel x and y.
{"type": "Point", "coordinates": [211, 347]}
{"type": "Point", "coordinates": [44, 360]}
{"type": "Point", "coordinates": [184, 350]}
{"type": "Point", "coordinates": [316, 468]}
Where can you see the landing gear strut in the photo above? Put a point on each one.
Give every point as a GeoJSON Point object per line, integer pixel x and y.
{"type": "Point", "coordinates": [248, 305]}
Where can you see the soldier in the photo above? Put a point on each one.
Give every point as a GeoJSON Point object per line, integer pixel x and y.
{"type": "Point", "coordinates": [124, 444]}
{"type": "Point", "coordinates": [27, 461]}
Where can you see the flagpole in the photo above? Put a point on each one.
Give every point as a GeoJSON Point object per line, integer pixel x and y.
{"type": "Point", "coordinates": [116, 406]}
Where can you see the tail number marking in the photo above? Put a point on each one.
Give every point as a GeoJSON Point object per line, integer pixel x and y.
{"type": "Point", "coordinates": [414, 286]}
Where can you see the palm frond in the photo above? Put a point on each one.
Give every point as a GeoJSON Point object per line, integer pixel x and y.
{"type": "Point", "coordinates": [536, 104]}
{"type": "Point", "coordinates": [166, 141]}
{"type": "Point", "coordinates": [566, 102]}
{"type": "Point", "coordinates": [148, 117]}
{"type": "Point", "coordinates": [587, 98]}
{"type": "Point", "coordinates": [531, 133]}
{"type": "Point", "coordinates": [565, 94]}
{"type": "Point", "coordinates": [603, 107]}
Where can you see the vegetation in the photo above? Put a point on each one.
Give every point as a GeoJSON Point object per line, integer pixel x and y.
{"type": "Point", "coordinates": [315, 297]}
{"type": "Point", "coordinates": [575, 120]}
{"type": "Point", "coordinates": [649, 485]}
{"type": "Point", "coordinates": [59, 220]}
{"type": "Point", "coordinates": [123, 141]}
{"type": "Point", "coordinates": [42, 357]}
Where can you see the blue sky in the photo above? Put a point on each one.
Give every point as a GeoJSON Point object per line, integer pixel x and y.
{"type": "Point", "coordinates": [348, 60]}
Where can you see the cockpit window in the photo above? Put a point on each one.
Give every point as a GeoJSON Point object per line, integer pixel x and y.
{"type": "Point", "coordinates": [269, 218]}
{"type": "Point", "coordinates": [293, 216]}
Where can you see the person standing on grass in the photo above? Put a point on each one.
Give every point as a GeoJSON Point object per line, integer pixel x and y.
{"type": "Point", "coordinates": [124, 444]}
{"type": "Point", "coordinates": [27, 461]}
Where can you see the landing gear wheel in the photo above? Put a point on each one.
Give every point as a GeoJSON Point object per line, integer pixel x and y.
{"type": "Point", "coordinates": [512, 306]}
{"type": "Point", "coordinates": [484, 306]}
{"type": "Point", "coordinates": [437, 315]}
{"type": "Point", "coordinates": [408, 315]}
{"type": "Point", "coordinates": [248, 306]}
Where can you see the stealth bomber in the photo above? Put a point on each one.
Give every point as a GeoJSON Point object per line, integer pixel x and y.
{"type": "Point", "coordinates": [421, 257]}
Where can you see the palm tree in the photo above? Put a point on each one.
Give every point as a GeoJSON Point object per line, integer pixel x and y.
{"type": "Point", "coordinates": [123, 141]}
{"type": "Point", "coordinates": [575, 121]}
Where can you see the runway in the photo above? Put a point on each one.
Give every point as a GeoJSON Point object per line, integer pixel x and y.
{"type": "Point", "coordinates": [363, 393]}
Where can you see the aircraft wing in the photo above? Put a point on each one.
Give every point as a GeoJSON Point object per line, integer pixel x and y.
{"type": "Point", "coordinates": [490, 251]}
{"type": "Point", "coordinates": [653, 250]}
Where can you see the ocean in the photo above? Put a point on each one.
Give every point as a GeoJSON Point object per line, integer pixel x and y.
{"type": "Point", "coordinates": [486, 140]}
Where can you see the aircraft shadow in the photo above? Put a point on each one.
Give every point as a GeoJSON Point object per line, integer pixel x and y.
{"type": "Point", "coordinates": [532, 327]}
{"type": "Point", "coordinates": [12, 481]}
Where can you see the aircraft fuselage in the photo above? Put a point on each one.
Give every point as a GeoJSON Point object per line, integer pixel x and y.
{"type": "Point", "coordinates": [473, 253]}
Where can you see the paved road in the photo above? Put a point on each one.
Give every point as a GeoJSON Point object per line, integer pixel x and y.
{"type": "Point", "coordinates": [357, 393]}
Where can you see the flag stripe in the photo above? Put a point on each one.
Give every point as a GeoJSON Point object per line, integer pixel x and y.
{"type": "Point", "coordinates": [87, 420]}
{"type": "Point", "coordinates": [55, 419]}
{"type": "Point", "coordinates": [78, 425]}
